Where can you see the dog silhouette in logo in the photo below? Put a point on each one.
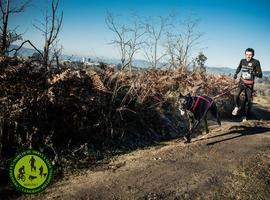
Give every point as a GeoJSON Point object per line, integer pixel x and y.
{"type": "Point", "coordinates": [31, 178]}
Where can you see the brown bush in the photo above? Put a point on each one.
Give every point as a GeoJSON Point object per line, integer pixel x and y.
{"type": "Point", "coordinates": [72, 114]}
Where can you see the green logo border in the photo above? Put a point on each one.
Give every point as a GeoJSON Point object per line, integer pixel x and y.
{"type": "Point", "coordinates": [17, 185]}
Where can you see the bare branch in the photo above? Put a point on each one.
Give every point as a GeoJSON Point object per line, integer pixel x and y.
{"type": "Point", "coordinates": [26, 41]}
{"type": "Point", "coordinates": [58, 27]}
{"type": "Point", "coordinates": [1, 7]}
{"type": "Point", "coordinates": [38, 28]}
{"type": "Point", "coordinates": [20, 8]}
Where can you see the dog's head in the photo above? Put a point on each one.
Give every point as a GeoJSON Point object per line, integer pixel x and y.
{"type": "Point", "coordinates": [184, 102]}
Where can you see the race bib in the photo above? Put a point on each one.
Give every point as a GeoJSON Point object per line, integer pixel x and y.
{"type": "Point", "coordinates": [246, 75]}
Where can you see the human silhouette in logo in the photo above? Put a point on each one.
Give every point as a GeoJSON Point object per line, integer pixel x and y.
{"type": "Point", "coordinates": [21, 171]}
{"type": "Point", "coordinates": [41, 171]}
{"type": "Point", "coordinates": [32, 163]}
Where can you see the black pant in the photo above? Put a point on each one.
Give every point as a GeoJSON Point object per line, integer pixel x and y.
{"type": "Point", "coordinates": [248, 97]}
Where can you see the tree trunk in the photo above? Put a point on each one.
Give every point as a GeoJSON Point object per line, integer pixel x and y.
{"type": "Point", "coordinates": [155, 55]}
{"type": "Point", "coordinates": [46, 56]}
{"type": "Point", "coordinates": [4, 33]}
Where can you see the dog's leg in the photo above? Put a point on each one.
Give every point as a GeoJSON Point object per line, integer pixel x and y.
{"type": "Point", "coordinates": [205, 124]}
{"type": "Point", "coordinates": [194, 126]}
{"type": "Point", "coordinates": [191, 121]}
{"type": "Point", "coordinates": [218, 119]}
{"type": "Point", "coordinates": [214, 112]}
{"type": "Point", "coordinates": [188, 137]}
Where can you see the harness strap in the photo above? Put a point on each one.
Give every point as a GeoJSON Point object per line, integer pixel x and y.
{"type": "Point", "coordinates": [209, 103]}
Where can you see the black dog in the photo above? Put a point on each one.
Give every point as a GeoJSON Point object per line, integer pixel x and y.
{"type": "Point", "coordinates": [199, 106]}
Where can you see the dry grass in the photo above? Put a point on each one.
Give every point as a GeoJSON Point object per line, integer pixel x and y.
{"type": "Point", "coordinates": [74, 115]}
{"type": "Point", "coordinates": [262, 89]}
{"type": "Point", "coordinates": [249, 182]}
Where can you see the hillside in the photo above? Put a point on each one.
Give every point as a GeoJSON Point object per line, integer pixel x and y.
{"type": "Point", "coordinates": [232, 162]}
{"type": "Point", "coordinates": [80, 118]}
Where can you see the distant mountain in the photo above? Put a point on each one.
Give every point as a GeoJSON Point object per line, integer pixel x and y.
{"type": "Point", "coordinates": [25, 52]}
{"type": "Point", "coordinates": [266, 73]}
{"type": "Point", "coordinates": [228, 70]}
{"type": "Point", "coordinates": [138, 63]}
{"type": "Point", "coordinates": [220, 70]}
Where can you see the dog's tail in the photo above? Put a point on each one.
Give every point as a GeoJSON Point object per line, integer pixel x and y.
{"type": "Point", "coordinates": [214, 112]}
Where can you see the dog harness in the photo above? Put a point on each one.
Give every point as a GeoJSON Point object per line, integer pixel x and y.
{"type": "Point", "coordinates": [199, 98]}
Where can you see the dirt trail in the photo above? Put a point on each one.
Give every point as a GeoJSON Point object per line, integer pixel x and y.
{"type": "Point", "coordinates": [232, 162]}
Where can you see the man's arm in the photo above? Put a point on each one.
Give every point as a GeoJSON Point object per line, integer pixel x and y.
{"type": "Point", "coordinates": [238, 69]}
{"type": "Point", "coordinates": [258, 70]}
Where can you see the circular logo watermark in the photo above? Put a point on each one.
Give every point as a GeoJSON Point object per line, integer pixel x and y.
{"type": "Point", "coordinates": [30, 171]}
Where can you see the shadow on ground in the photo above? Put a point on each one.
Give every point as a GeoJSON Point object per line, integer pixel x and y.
{"type": "Point", "coordinates": [243, 132]}
{"type": "Point", "coordinates": [259, 113]}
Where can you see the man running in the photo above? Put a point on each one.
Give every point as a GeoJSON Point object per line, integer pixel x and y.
{"type": "Point", "coordinates": [32, 163]}
{"type": "Point", "coordinates": [251, 68]}
{"type": "Point", "coordinates": [41, 171]}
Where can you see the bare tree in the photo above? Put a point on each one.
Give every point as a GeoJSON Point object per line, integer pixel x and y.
{"type": "Point", "coordinates": [181, 45]}
{"type": "Point", "coordinates": [50, 29]}
{"type": "Point", "coordinates": [135, 43]}
{"type": "Point", "coordinates": [8, 36]}
{"type": "Point", "coordinates": [170, 50]}
{"type": "Point", "coordinates": [127, 39]}
{"type": "Point", "coordinates": [155, 33]}
{"type": "Point", "coordinates": [121, 40]}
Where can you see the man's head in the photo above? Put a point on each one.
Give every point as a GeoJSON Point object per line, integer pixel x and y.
{"type": "Point", "coordinates": [249, 53]}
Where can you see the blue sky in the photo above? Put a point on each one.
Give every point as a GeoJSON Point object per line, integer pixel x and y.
{"type": "Point", "coordinates": [229, 26]}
